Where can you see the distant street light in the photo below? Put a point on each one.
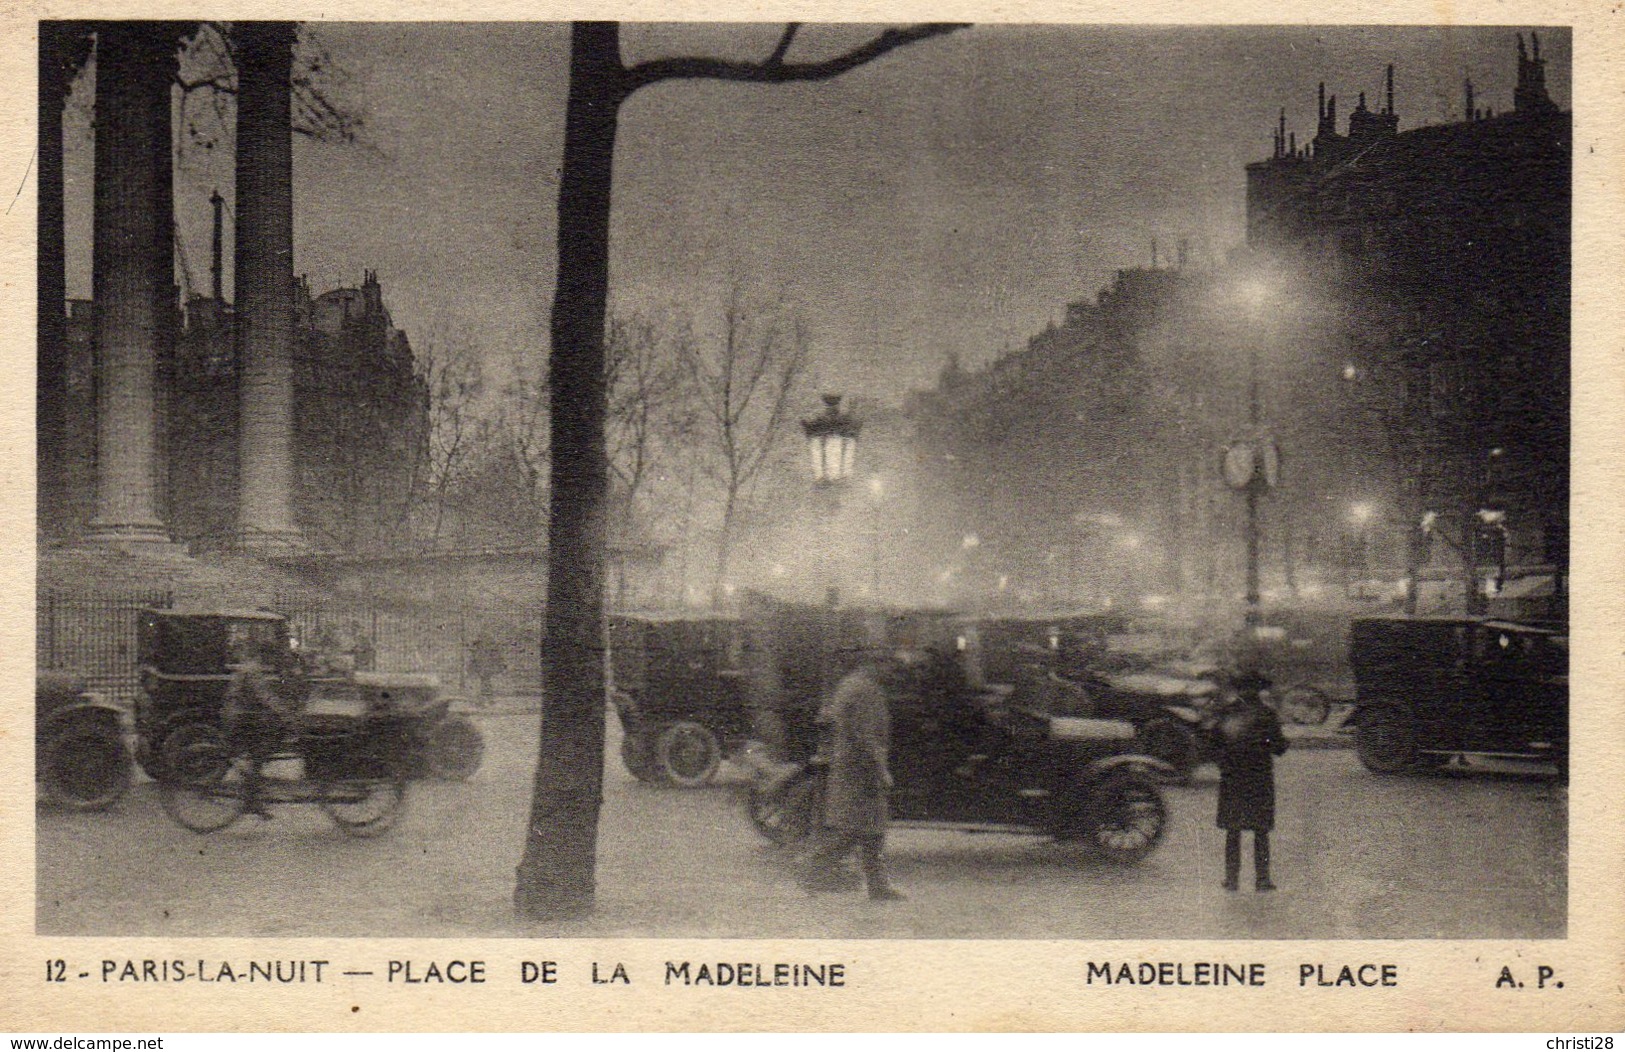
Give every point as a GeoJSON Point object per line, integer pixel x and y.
{"type": "Point", "coordinates": [1361, 515]}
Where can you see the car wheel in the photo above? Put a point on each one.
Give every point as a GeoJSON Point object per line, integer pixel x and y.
{"type": "Point", "coordinates": [784, 815]}
{"type": "Point", "coordinates": [1385, 741]}
{"type": "Point", "coordinates": [1305, 706]}
{"type": "Point", "coordinates": [638, 755]}
{"type": "Point", "coordinates": [364, 807]}
{"type": "Point", "coordinates": [86, 768]}
{"type": "Point", "coordinates": [1170, 741]}
{"type": "Point", "coordinates": [1128, 817]}
{"type": "Point", "coordinates": [454, 749]}
{"type": "Point", "coordinates": [687, 754]}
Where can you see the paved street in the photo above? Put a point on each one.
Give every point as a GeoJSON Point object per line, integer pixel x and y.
{"type": "Point", "coordinates": [1357, 856]}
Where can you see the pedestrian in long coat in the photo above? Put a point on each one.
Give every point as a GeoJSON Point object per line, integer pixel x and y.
{"type": "Point", "coordinates": [855, 726]}
{"type": "Point", "coordinates": [1250, 738]}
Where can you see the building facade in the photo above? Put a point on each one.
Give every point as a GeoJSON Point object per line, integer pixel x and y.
{"type": "Point", "coordinates": [1446, 250]}
{"type": "Point", "coordinates": [359, 431]}
{"type": "Point", "coordinates": [1397, 323]}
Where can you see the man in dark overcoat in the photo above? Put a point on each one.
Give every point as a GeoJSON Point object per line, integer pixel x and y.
{"type": "Point", "coordinates": [855, 727]}
{"type": "Point", "coordinates": [1250, 738]}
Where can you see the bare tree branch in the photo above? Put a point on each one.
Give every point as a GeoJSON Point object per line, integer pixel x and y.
{"type": "Point", "coordinates": [777, 58]}
{"type": "Point", "coordinates": [774, 70]}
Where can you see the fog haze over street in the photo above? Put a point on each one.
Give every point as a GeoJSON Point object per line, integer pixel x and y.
{"type": "Point", "coordinates": [951, 199]}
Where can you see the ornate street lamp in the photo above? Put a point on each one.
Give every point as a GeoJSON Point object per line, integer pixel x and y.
{"type": "Point", "coordinates": [832, 441]}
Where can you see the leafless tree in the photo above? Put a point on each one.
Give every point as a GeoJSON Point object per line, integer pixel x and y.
{"type": "Point", "coordinates": [207, 79]}
{"type": "Point", "coordinates": [556, 872]}
{"type": "Point", "coordinates": [455, 377]}
{"type": "Point", "coordinates": [649, 417]}
{"type": "Point", "coordinates": [744, 386]}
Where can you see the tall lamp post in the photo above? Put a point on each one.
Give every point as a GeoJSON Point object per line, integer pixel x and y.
{"type": "Point", "coordinates": [1361, 514]}
{"type": "Point", "coordinates": [1253, 466]}
{"type": "Point", "coordinates": [832, 444]}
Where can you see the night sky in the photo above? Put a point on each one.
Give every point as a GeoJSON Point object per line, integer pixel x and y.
{"type": "Point", "coordinates": [950, 198]}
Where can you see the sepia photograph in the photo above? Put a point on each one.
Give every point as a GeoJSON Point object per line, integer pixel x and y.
{"type": "Point", "coordinates": [831, 482]}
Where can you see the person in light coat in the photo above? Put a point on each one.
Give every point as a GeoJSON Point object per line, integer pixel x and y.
{"type": "Point", "coordinates": [855, 728]}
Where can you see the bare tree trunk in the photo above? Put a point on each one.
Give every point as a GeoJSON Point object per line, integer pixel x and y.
{"type": "Point", "coordinates": [555, 876]}
{"type": "Point", "coordinates": [556, 873]}
{"type": "Point", "coordinates": [725, 542]}
{"type": "Point", "coordinates": [264, 281]}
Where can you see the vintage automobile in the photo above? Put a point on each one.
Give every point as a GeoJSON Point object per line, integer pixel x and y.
{"type": "Point", "coordinates": [968, 755]}
{"type": "Point", "coordinates": [80, 760]}
{"type": "Point", "coordinates": [679, 690]}
{"type": "Point", "coordinates": [1065, 666]}
{"type": "Point", "coordinates": [1430, 689]}
{"type": "Point", "coordinates": [188, 659]}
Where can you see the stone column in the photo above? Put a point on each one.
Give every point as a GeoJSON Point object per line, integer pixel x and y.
{"type": "Point", "coordinates": [133, 271]}
{"type": "Point", "coordinates": [58, 58]}
{"type": "Point", "coordinates": [264, 283]}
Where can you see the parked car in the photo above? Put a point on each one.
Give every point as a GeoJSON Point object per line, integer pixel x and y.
{"type": "Point", "coordinates": [678, 686]}
{"type": "Point", "coordinates": [80, 760]}
{"type": "Point", "coordinates": [1432, 688]}
{"type": "Point", "coordinates": [188, 660]}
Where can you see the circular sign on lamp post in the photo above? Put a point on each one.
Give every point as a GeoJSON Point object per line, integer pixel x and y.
{"type": "Point", "coordinates": [1238, 465]}
{"type": "Point", "coordinates": [1245, 462]}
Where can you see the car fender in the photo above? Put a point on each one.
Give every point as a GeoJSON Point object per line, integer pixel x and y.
{"type": "Point", "coordinates": [1138, 762]}
{"type": "Point", "coordinates": [1186, 713]}
{"type": "Point", "coordinates": [91, 711]}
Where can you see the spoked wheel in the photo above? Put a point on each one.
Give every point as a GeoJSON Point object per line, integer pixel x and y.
{"type": "Point", "coordinates": [1170, 741]}
{"type": "Point", "coordinates": [178, 740]}
{"type": "Point", "coordinates": [1385, 741]}
{"type": "Point", "coordinates": [364, 807]}
{"type": "Point", "coordinates": [1128, 817]}
{"type": "Point", "coordinates": [784, 813]}
{"type": "Point", "coordinates": [687, 754]}
{"type": "Point", "coordinates": [454, 749]}
{"type": "Point", "coordinates": [205, 788]}
{"type": "Point", "coordinates": [1306, 706]}
{"type": "Point", "coordinates": [87, 768]}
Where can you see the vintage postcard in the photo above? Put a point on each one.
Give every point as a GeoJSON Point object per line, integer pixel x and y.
{"type": "Point", "coordinates": [1013, 519]}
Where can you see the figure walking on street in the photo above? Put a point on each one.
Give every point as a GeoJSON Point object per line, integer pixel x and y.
{"type": "Point", "coordinates": [1250, 738]}
{"type": "Point", "coordinates": [486, 663]}
{"type": "Point", "coordinates": [855, 730]}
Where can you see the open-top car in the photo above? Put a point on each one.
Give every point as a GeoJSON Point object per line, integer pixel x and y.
{"type": "Point", "coordinates": [968, 754]}
{"type": "Point", "coordinates": [188, 660]}
{"type": "Point", "coordinates": [1429, 689]}
{"type": "Point", "coordinates": [1066, 666]}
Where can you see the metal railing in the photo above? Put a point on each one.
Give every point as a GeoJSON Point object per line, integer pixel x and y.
{"type": "Point", "coordinates": [93, 635]}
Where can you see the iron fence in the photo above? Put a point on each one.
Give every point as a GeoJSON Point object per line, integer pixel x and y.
{"type": "Point", "coordinates": [94, 637]}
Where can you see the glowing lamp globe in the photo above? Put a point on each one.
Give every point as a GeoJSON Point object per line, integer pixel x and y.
{"type": "Point", "coordinates": [832, 442]}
